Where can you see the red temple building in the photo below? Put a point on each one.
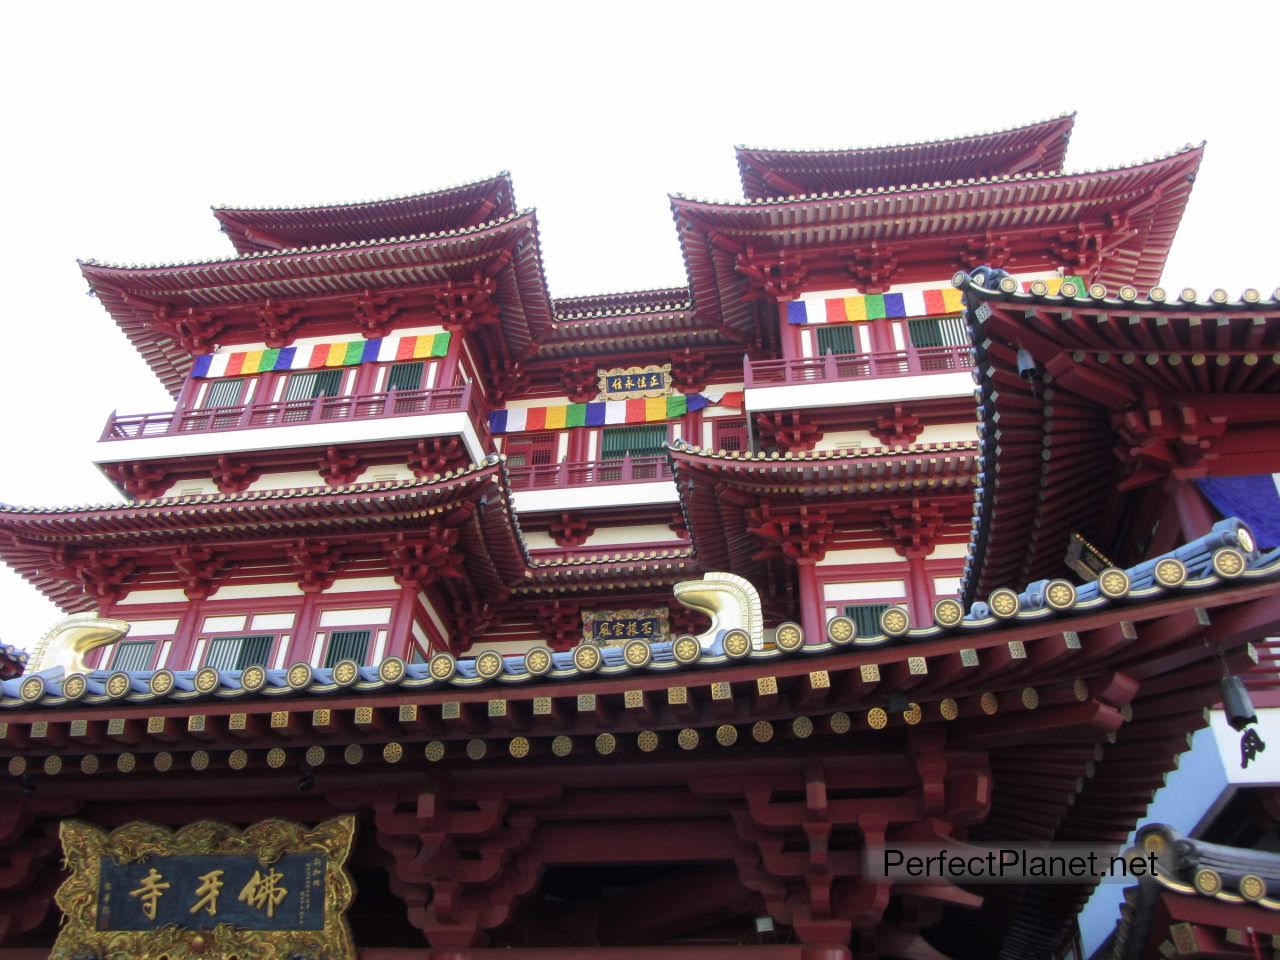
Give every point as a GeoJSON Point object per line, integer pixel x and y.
{"type": "Point", "coordinates": [625, 625]}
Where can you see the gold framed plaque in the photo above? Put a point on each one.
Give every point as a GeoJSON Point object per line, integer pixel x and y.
{"type": "Point", "coordinates": [207, 890]}
{"type": "Point", "coordinates": [613, 628]}
{"type": "Point", "coordinates": [635, 383]}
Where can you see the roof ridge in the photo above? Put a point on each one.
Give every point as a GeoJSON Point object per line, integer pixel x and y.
{"type": "Point", "coordinates": [319, 248]}
{"type": "Point", "coordinates": [1126, 297]}
{"type": "Point", "coordinates": [822, 456]}
{"type": "Point", "coordinates": [394, 198]}
{"type": "Point", "coordinates": [912, 143]}
{"type": "Point", "coordinates": [936, 185]}
{"type": "Point", "coordinates": [281, 493]}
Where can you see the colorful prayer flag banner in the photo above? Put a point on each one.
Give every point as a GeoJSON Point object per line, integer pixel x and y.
{"type": "Point", "coordinates": [605, 413]}
{"type": "Point", "coordinates": [344, 353]}
{"type": "Point", "coordinates": [875, 306]}
{"type": "Point", "coordinates": [923, 302]}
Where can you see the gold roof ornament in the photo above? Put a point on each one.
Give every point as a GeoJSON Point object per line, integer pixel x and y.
{"type": "Point", "coordinates": [730, 601]}
{"type": "Point", "coordinates": [68, 642]}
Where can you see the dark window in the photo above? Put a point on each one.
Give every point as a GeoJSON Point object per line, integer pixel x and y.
{"type": "Point", "coordinates": [404, 376]}
{"type": "Point", "coordinates": [938, 332]}
{"type": "Point", "coordinates": [837, 339]}
{"type": "Point", "coordinates": [417, 655]}
{"type": "Point", "coordinates": [866, 617]}
{"type": "Point", "coordinates": [224, 393]}
{"type": "Point", "coordinates": [530, 449]}
{"type": "Point", "coordinates": [649, 440]}
{"type": "Point", "coordinates": [730, 433]}
{"type": "Point", "coordinates": [133, 655]}
{"type": "Point", "coordinates": [317, 383]}
{"type": "Point", "coordinates": [347, 645]}
{"type": "Point", "coordinates": [236, 653]}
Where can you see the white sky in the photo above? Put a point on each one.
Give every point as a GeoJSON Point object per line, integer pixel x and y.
{"type": "Point", "coordinates": [125, 122]}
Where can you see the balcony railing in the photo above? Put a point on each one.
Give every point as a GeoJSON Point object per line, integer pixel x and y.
{"type": "Point", "coordinates": [283, 413]}
{"type": "Point", "coordinates": [857, 366]}
{"type": "Point", "coordinates": [554, 476]}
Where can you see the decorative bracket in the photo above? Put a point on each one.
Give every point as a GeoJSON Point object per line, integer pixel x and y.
{"type": "Point", "coordinates": [101, 574]}
{"type": "Point", "coordinates": [900, 429]}
{"type": "Point", "coordinates": [689, 370]}
{"type": "Point", "coordinates": [776, 276]}
{"type": "Point", "coordinates": [276, 322]}
{"type": "Point", "coordinates": [198, 569]}
{"type": "Point", "coordinates": [873, 270]}
{"type": "Point", "coordinates": [561, 621]}
{"type": "Point", "coordinates": [421, 558]}
{"type": "Point", "coordinates": [339, 469]}
{"type": "Point", "coordinates": [792, 432]}
{"type": "Point", "coordinates": [570, 531]}
{"type": "Point", "coordinates": [195, 330]}
{"type": "Point", "coordinates": [913, 529]}
{"type": "Point", "coordinates": [463, 307]}
{"type": "Point", "coordinates": [1167, 438]}
{"type": "Point", "coordinates": [315, 563]}
{"type": "Point", "coordinates": [234, 476]}
{"type": "Point", "coordinates": [140, 481]}
{"type": "Point", "coordinates": [433, 456]}
{"type": "Point", "coordinates": [373, 315]}
{"type": "Point", "coordinates": [579, 380]}
{"type": "Point", "coordinates": [800, 536]}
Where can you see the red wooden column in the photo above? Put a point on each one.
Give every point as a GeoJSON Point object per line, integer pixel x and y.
{"type": "Point", "coordinates": [1195, 515]}
{"type": "Point", "coordinates": [800, 537]}
{"type": "Point", "coordinates": [812, 617]}
{"type": "Point", "coordinates": [919, 587]}
{"type": "Point", "coordinates": [789, 334]}
{"type": "Point", "coordinates": [911, 529]}
{"type": "Point", "coordinates": [447, 373]}
{"type": "Point", "coordinates": [400, 632]}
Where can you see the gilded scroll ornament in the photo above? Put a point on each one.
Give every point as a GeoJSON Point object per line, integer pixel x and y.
{"type": "Point", "coordinates": [732, 603]}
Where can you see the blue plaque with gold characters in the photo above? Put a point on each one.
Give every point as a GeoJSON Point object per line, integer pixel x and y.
{"type": "Point", "coordinates": [635, 383]}
{"type": "Point", "coordinates": [277, 889]}
{"type": "Point", "coordinates": [610, 628]}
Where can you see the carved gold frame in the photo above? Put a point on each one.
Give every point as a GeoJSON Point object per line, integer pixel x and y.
{"type": "Point", "coordinates": [606, 394]}
{"type": "Point", "coordinates": [84, 846]}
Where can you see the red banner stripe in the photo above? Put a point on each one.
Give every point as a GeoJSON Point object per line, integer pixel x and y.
{"type": "Point", "coordinates": [535, 418]}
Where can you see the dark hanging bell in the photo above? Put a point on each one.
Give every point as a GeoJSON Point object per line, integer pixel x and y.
{"type": "Point", "coordinates": [1236, 703]}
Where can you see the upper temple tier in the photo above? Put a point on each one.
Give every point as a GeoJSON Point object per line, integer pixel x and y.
{"type": "Point", "coordinates": [1034, 148]}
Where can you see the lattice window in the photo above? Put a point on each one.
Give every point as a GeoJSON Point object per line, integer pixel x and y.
{"type": "Point", "coordinates": [530, 449]}
{"type": "Point", "coordinates": [729, 433]}
{"type": "Point", "coordinates": [236, 653]}
{"type": "Point", "coordinates": [842, 338]}
{"type": "Point", "coordinates": [133, 655]}
{"type": "Point", "coordinates": [938, 332]}
{"type": "Point", "coordinates": [224, 393]}
{"type": "Point", "coordinates": [316, 383]}
{"type": "Point", "coordinates": [347, 645]}
{"type": "Point", "coordinates": [866, 617]}
{"type": "Point", "coordinates": [649, 440]}
{"type": "Point", "coordinates": [405, 376]}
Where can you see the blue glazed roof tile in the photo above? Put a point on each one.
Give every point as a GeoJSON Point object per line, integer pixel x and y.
{"type": "Point", "coordinates": [1228, 553]}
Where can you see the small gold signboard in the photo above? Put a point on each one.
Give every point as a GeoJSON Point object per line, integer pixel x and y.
{"type": "Point", "coordinates": [208, 890]}
{"type": "Point", "coordinates": [1084, 558]}
{"type": "Point", "coordinates": [635, 383]}
{"type": "Point", "coordinates": [616, 627]}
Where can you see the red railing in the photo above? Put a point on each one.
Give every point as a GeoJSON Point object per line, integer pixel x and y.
{"type": "Point", "coordinates": [857, 366]}
{"type": "Point", "coordinates": [281, 413]}
{"type": "Point", "coordinates": [553, 476]}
